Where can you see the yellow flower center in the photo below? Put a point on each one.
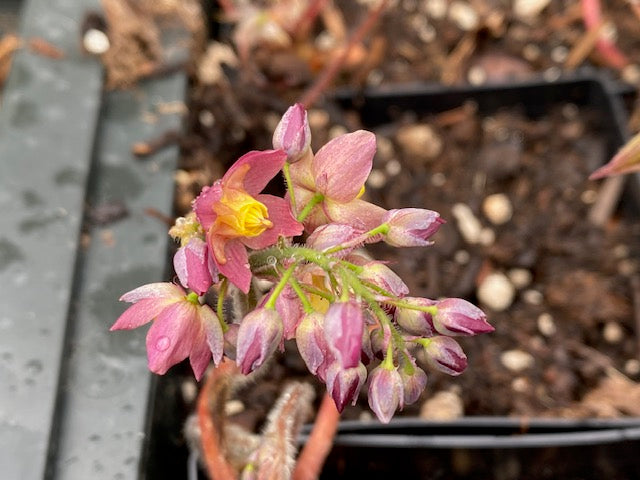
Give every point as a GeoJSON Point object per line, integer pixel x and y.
{"type": "Point", "coordinates": [240, 215]}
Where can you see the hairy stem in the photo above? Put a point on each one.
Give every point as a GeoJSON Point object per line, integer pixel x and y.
{"type": "Point", "coordinates": [315, 451]}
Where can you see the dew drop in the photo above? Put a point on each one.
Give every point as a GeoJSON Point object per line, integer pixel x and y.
{"type": "Point", "coordinates": [163, 343]}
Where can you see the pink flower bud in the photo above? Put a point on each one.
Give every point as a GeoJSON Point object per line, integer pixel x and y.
{"type": "Point", "coordinates": [194, 266]}
{"type": "Point", "coordinates": [459, 317]}
{"type": "Point", "coordinates": [258, 337]}
{"type": "Point", "coordinates": [310, 341]}
{"type": "Point", "coordinates": [411, 227]}
{"type": "Point", "coordinates": [379, 342]}
{"type": "Point", "coordinates": [383, 277]}
{"type": "Point", "coordinates": [343, 325]}
{"type": "Point", "coordinates": [289, 308]}
{"type": "Point", "coordinates": [414, 380]}
{"type": "Point", "coordinates": [413, 321]}
{"type": "Point", "coordinates": [331, 235]}
{"type": "Point", "coordinates": [293, 134]}
{"type": "Point", "coordinates": [386, 393]}
{"type": "Point", "coordinates": [344, 383]}
{"type": "Point", "coordinates": [444, 354]}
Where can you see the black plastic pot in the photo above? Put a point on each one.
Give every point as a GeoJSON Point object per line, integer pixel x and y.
{"type": "Point", "coordinates": [494, 447]}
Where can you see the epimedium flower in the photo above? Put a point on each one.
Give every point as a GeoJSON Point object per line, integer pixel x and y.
{"type": "Point", "coordinates": [181, 327]}
{"type": "Point", "coordinates": [234, 215]}
{"type": "Point", "coordinates": [334, 178]}
{"type": "Point", "coordinates": [411, 227]}
{"type": "Point", "coordinates": [386, 391]}
{"type": "Point", "coordinates": [194, 266]}
{"type": "Point", "coordinates": [456, 316]}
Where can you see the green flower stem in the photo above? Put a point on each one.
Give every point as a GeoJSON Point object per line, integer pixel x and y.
{"type": "Point", "coordinates": [222, 293]}
{"type": "Point", "coordinates": [271, 303]}
{"type": "Point", "coordinates": [387, 363]}
{"type": "Point", "coordinates": [382, 229]}
{"type": "Point", "coordinates": [318, 292]}
{"type": "Point", "coordinates": [430, 309]}
{"type": "Point", "coordinates": [306, 304]}
{"type": "Point", "coordinates": [315, 200]}
{"type": "Point", "coordinates": [289, 182]}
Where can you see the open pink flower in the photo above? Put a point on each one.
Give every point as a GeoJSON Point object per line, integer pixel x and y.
{"type": "Point", "coordinates": [338, 171]}
{"type": "Point", "coordinates": [182, 327]}
{"type": "Point", "coordinates": [235, 215]}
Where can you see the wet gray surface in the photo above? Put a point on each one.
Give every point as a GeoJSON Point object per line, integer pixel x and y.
{"type": "Point", "coordinates": [73, 395]}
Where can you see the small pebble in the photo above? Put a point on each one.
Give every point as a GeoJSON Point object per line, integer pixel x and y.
{"type": "Point", "coordinates": [552, 74]}
{"type": "Point", "coordinates": [462, 257]}
{"type": "Point", "coordinates": [468, 224]}
{"type": "Point", "coordinates": [520, 277]}
{"type": "Point", "coordinates": [318, 119]}
{"type": "Point", "coordinates": [393, 167]}
{"type": "Point", "coordinates": [384, 150]}
{"type": "Point", "coordinates": [375, 77]}
{"type": "Point", "coordinates": [487, 237]}
{"type": "Point", "coordinates": [621, 251]}
{"type": "Point", "coordinates": [631, 74]}
{"type": "Point", "coordinates": [477, 75]}
{"type": "Point", "coordinates": [517, 360]}
{"type": "Point", "coordinates": [520, 385]}
{"type": "Point", "coordinates": [436, 9]}
{"type": "Point", "coordinates": [496, 292]}
{"type": "Point", "coordinates": [233, 406]}
{"type": "Point", "coordinates": [531, 52]}
{"type": "Point", "coordinates": [497, 208]}
{"type": "Point", "coordinates": [463, 15]}
{"type": "Point", "coordinates": [612, 332]}
{"type": "Point", "coordinates": [96, 41]}
{"type": "Point", "coordinates": [420, 141]}
{"type": "Point", "coordinates": [207, 119]}
{"type": "Point", "coordinates": [570, 111]}
{"type": "Point", "coordinates": [589, 197]}
{"type": "Point", "coordinates": [365, 416]}
{"type": "Point", "coordinates": [559, 54]}
{"type": "Point", "coordinates": [336, 131]}
{"type": "Point", "coordinates": [627, 267]}
{"type": "Point", "coordinates": [438, 179]}
{"type": "Point", "coordinates": [529, 9]}
{"type": "Point", "coordinates": [443, 405]}
{"type": "Point", "coordinates": [546, 325]}
{"type": "Point", "coordinates": [189, 391]}
{"type": "Point", "coordinates": [610, 32]}
{"type": "Point", "coordinates": [533, 297]}
{"type": "Point", "coordinates": [377, 179]}
{"type": "Point", "coordinates": [632, 367]}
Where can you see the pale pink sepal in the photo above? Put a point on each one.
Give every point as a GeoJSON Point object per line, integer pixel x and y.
{"type": "Point", "coordinates": [194, 267]}
{"type": "Point", "coordinates": [343, 326]}
{"type": "Point", "coordinates": [153, 290]}
{"type": "Point", "coordinates": [141, 312]}
{"type": "Point", "coordinates": [357, 213]}
{"type": "Point", "coordinates": [263, 166]}
{"type": "Point", "coordinates": [341, 167]}
{"type": "Point", "coordinates": [386, 393]}
{"type": "Point", "coordinates": [236, 268]}
{"type": "Point", "coordinates": [259, 335]}
{"type": "Point", "coordinates": [203, 204]}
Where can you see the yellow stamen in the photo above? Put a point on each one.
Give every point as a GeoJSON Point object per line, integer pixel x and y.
{"type": "Point", "coordinates": [361, 192]}
{"type": "Point", "coordinates": [240, 215]}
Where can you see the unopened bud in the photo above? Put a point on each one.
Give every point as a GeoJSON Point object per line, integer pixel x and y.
{"type": "Point", "coordinates": [411, 227]}
{"type": "Point", "coordinates": [414, 380]}
{"type": "Point", "coordinates": [456, 316]}
{"type": "Point", "coordinates": [343, 325]}
{"type": "Point", "coordinates": [383, 277]}
{"type": "Point", "coordinates": [331, 235]}
{"type": "Point", "coordinates": [194, 266]}
{"type": "Point", "coordinates": [386, 393]}
{"type": "Point", "coordinates": [344, 383]}
{"type": "Point", "coordinates": [293, 134]}
{"type": "Point", "coordinates": [310, 341]}
{"type": "Point", "coordinates": [258, 337]}
{"type": "Point", "coordinates": [444, 354]}
{"type": "Point", "coordinates": [416, 322]}
{"type": "Point", "coordinates": [289, 308]}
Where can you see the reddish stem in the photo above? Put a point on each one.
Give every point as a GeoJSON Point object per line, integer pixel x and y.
{"type": "Point", "coordinates": [592, 16]}
{"type": "Point", "coordinates": [315, 451]}
{"type": "Point", "coordinates": [211, 439]}
{"type": "Point", "coordinates": [332, 69]}
{"type": "Point", "coordinates": [301, 28]}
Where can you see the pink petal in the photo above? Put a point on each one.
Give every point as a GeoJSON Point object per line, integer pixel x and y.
{"type": "Point", "coordinates": [191, 264]}
{"type": "Point", "coordinates": [341, 167]}
{"type": "Point", "coordinates": [301, 173]}
{"type": "Point", "coordinates": [236, 268]}
{"type": "Point", "coordinates": [200, 356]}
{"type": "Point", "coordinates": [213, 332]}
{"type": "Point", "coordinates": [203, 204]}
{"type": "Point", "coordinates": [263, 166]}
{"type": "Point", "coordinates": [357, 213]}
{"type": "Point", "coordinates": [171, 337]}
{"type": "Point", "coordinates": [283, 223]}
{"type": "Point", "coordinates": [153, 290]}
{"type": "Point", "coordinates": [140, 313]}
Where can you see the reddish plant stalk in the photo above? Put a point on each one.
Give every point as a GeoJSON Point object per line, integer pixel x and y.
{"type": "Point", "coordinates": [332, 69]}
{"type": "Point", "coordinates": [592, 16]}
{"type": "Point", "coordinates": [211, 438]}
{"type": "Point", "coordinates": [303, 25]}
{"type": "Point", "coordinates": [315, 451]}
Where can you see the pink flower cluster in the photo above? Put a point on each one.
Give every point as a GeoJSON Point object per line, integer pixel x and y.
{"type": "Point", "coordinates": [351, 316]}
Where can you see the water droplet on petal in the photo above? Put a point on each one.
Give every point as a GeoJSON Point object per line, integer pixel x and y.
{"type": "Point", "coordinates": [163, 343]}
